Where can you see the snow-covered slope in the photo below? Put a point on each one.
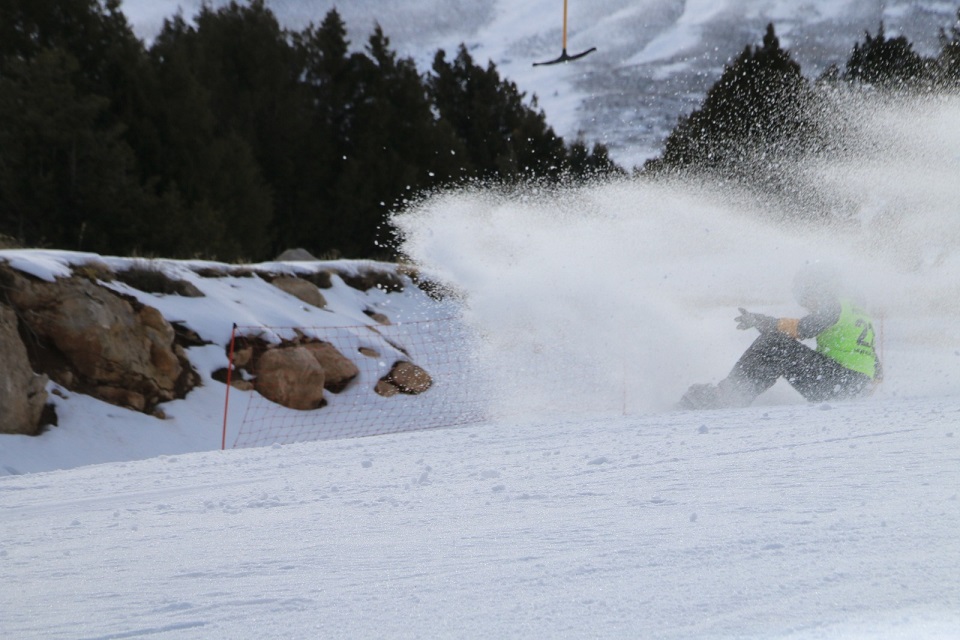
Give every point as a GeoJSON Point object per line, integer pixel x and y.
{"type": "Point", "coordinates": [789, 522]}
{"type": "Point", "coordinates": [655, 59]}
{"type": "Point", "coordinates": [92, 431]}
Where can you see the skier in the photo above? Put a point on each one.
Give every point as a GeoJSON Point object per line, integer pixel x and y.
{"type": "Point", "coordinates": [844, 364]}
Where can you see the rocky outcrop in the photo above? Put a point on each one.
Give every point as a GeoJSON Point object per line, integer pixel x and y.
{"type": "Point", "coordinates": [84, 332]}
{"type": "Point", "coordinates": [92, 340]}
{"type": "Point", "coordinates": [22, 392]}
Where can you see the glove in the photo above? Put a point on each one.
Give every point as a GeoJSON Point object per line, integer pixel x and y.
{"type": "Point", "coordinates": [748, 320]}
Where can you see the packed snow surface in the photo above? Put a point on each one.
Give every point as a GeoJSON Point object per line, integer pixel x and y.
{"type": "Point", "coordinates": [789, 522]}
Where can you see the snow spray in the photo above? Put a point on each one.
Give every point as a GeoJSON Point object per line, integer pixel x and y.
{"type": "Point", "coordinates": [616, 296]}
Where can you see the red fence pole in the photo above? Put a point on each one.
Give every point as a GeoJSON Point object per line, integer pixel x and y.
{"type": "Point", "coordinates": [226, 401]}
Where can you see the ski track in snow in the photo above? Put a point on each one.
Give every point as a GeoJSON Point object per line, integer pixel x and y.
{"type": "Point", "coordinates": [764, 522]}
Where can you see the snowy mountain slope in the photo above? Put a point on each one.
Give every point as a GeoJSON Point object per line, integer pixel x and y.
{"type": "Point", "coordinates": [655, 58]}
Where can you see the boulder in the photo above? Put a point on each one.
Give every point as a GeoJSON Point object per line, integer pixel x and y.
{"type": "Point", "coordinates": [377, 317]}
{"type": "Point", "coordinates": [404, 377]}
{"type": "Point", "coordinates": [242, 385]}
{"type": "Point", "coordinates": [386, 389]}
{"type": "Point", "coordinates": [410, 378]}
{"type": "Point", "coordinates": [296, 255]}
{"type": "Point", "coordinates": [149, 276]}
{"type": "Point", "coordinates": [22, 392]}
{"type": "Point", "coordinates": [338, 369]}
{"type": "Point", "coordinates": [292, 377]}
{"type": "Point", "coordinates": [104, 345]}
{"type": "Point", "coordinates": [366, 279]}
{"type": "Point", "coordinates": [242, 357]}
{"type": "Point", "coordinates": [299, 288]}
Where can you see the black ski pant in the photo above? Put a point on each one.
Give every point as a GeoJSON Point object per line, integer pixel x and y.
{"type": "Point", "coordinates": [774, 355]}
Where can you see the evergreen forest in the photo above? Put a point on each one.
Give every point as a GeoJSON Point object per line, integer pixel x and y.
{"type": "Point", "coordinates": [233, 138]}
{"type": "Point", "coordinates": [762, 117]}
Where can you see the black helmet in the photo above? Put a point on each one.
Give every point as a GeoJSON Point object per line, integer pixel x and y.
{"type": "Point", "coordinates": [816, 282]}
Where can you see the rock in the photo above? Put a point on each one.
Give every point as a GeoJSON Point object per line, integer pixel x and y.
{"type": "Point", "coordinates": [242, 357]}
{"type": "Point", "coordinates": [338, 369]}
{"type": "Point", "coordinates": [377, 317]}
{"type": "Point", "coordinates": [242, 385]}
{"type": "Point", "coordinates": [408, 378]}
{"type": "Point", "coordinates": [165, 355]}
{"type": "Point", "coordinates": [322, 279]}
{"type": "Point", "coordinates": [149, 276]}
{"type": "Point", "coordinates": [292, 377]}
{"type": "Point", "coordinates": [386, 388]}
{"type": "Point", "coordinates": [366, 279]}
{"type": "Point", "coordinates": [296, 255]}
{"type": "Point", "coordinates": [104, 345]}
{"type": "Point", "coordinates": [22, 392]}
{"type": "Point", "coordinates": [299, 288]}
{"type": "Point", "coordinates": [121, 397]}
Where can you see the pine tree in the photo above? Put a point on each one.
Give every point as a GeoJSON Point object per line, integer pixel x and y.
{"type": "Point", "coordinates": [329, 90]}
{"type": "Point", "coordinates": [76, 65]}
{"type": "Point", "coordinates": [759, 118]}
{"type": "Point", "coordinates": [888, 63]}
{"type": "Point", "coordinates": [583, 163]}
{"type": "Point", "coordinates": [67, 178]}
{"type": "Point", "coordinates": [111, 61]}
{"type": "Point", "coordinates": [761, 110]}
{"type": "Point", "coordinates": [248, 71]}
{"type": "Point", "coordinates": [948, 61]}
{"type": "Point", "coordinates": [94, 34]}
{"type": "Point", "coordinates": [396, 147]}
{"type": "Point", "coordinates": [232, 137]}
{"type": "Point", "coordinates": [505, 137]}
